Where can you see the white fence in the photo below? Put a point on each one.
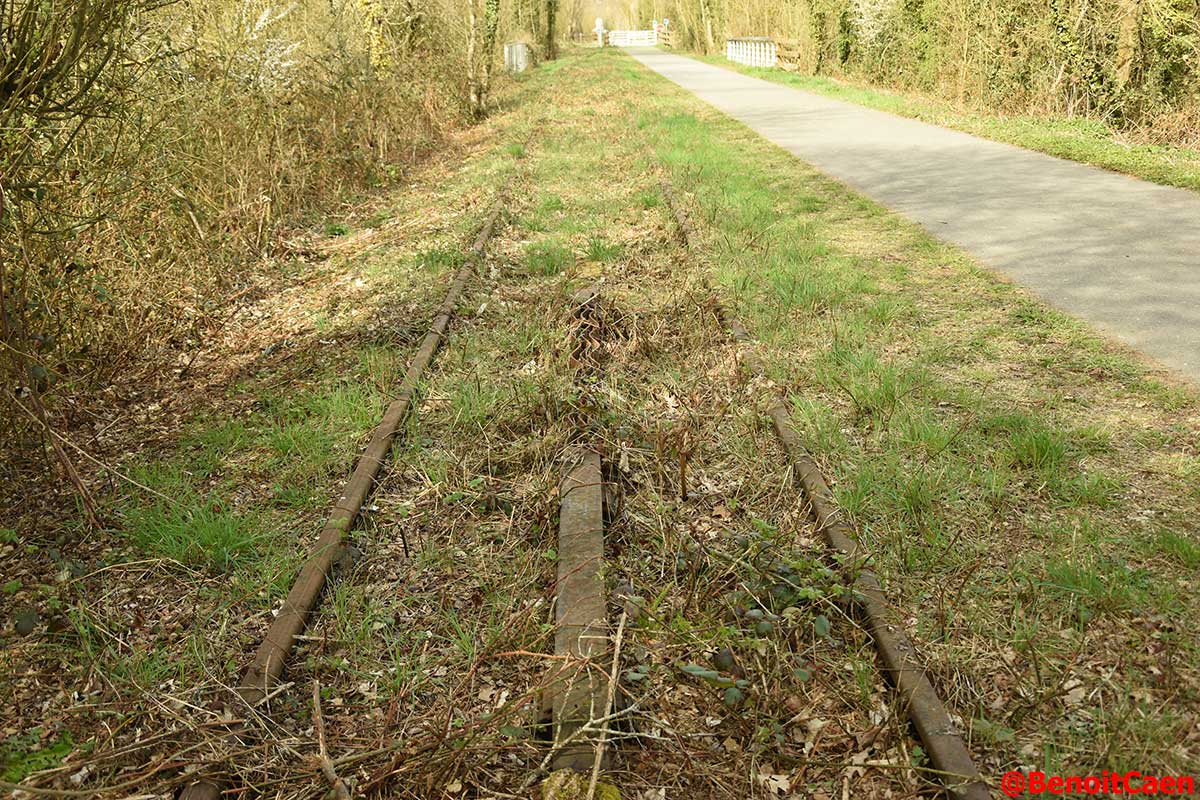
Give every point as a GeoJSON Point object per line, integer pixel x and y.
{"type": "Point", "coordinates": [633, 38]}
{"type": "Point", "coordinates": [753, 51]}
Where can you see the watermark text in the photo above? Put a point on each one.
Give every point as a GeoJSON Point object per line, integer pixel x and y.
{"type": "Point", "coordinates": [1132, 782]}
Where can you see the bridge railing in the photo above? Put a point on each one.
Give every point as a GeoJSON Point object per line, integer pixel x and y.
{"type": "Point", "coordinates": [753, 51]}
{"type": "Point", "coordinates": [647, 38]}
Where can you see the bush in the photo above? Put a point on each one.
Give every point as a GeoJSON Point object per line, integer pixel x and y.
{"type": "Point", "coordinates": [147, 170]}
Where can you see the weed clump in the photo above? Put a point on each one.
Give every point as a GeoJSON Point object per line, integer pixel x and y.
{"type": "Point", "coordinates": [547, 258]}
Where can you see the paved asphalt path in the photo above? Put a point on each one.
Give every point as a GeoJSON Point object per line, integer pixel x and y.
{"type": "Point", "coordinates": [1116, 251]}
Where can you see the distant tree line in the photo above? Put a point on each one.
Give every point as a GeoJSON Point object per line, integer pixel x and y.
{"type": "Point", "coordinates": [1133, 62]}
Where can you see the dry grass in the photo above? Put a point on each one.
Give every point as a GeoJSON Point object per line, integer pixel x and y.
{"type": "Point", "coordinates": [957, 416]}
{"type": "Point", "coordinates": [136, 220]}
{"type": "Point", "coordinates": [1007, 467]}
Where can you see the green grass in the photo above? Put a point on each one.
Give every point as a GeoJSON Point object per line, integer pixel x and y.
{"type": "Point", "coordinates": [1184, 550]}
{"type": "Point", "coordinates": [302, 441]}
{"type": "Point", "coordinates": [597, 249]}
{"type": "Point", "coordinates": [1039, 449]}
{"type": "Point", "coordinates": [26, 753]}
{"type": "Point", "coordinates": [547, 258]}
{"type": "Point", "coordinates": [1088, 141]}
{"type": "Point", "coordinates": [649, 199]}
{"type": "Point", "coordinates": [196, 531]}
{"type": "Point", "coordinates": [440, 259]}
{"type": "Point", "coordinates": [967, 428]}
{"type": "Point", "coordinates": [474, 399]}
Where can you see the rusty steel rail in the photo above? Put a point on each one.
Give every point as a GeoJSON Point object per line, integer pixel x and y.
{"type": "Point", "coordinates": [944, 744]}
{"type": "Point", "coordinates": [302, 599]}
{"type": "Point", "coordinates": [682, 225]}
{"type": "Point", "coordinates": [272, 654]}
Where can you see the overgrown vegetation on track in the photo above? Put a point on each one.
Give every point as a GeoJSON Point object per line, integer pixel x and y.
{"type": "Point", "coordinates": [1026, 488]}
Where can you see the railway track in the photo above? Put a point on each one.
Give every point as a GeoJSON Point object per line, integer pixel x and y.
{"type": "Point", "coordinates": [271, 657]}
{"type": "Point", "coordinates": [595, 552]}
{"type": "Point", "coordinates": [586, 715]}
{"type": "Point", "coordinates": [901, 662]}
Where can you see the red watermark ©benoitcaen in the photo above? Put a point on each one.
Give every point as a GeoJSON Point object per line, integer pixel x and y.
{"type": "Point", "coordinates": [1132, 782]}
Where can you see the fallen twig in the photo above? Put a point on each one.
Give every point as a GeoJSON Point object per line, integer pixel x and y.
{"type": "Point", "coordinates": [337, 787]}
{"type": "Point", "coordinates": [608, 704]}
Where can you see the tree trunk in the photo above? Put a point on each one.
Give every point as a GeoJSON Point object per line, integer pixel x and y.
{"type": "Point", "coordinates": [473, 99]}
{"type": "Point", "coordinates": [706, 16]}
{"type": "Point", "coordinates": [551, 35]}
{"type": "Point", "coordinates": [1128, 40]}
{"type": "Point", "coordinates": [481, 46]}
{"type": "Point", "coordinates": [491, 21]}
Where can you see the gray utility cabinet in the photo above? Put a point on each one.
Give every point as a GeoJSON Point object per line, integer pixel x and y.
{"type": "Point", "coordinates": [518, 56]}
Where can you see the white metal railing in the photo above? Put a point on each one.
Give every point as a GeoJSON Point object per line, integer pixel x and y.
{"type": "Point", "coordinates": [753, 51]}
{"type": "Point", "coordinates": [633, 38]}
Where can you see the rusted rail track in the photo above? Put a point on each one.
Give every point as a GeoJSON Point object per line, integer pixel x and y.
{"type": "Point", "coordinates": [272, 654]}
{"type": "Point", "coordinates": [902, 665]}
{"type": "Point", "coordinates": [683, 226]}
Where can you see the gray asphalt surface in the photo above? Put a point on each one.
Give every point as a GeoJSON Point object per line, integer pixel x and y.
{"type": "Point", "coordinates": [1118, 252]}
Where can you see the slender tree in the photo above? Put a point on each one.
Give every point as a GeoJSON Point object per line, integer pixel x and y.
{"type": "Point", "coordinates": [706, 14]}
{"type": "Point", "coordinates": [481, 47]}
{"type": "Point", "coordinates": [551, 34]}
{"type": "Point", "coordinates": [1128, 38]}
